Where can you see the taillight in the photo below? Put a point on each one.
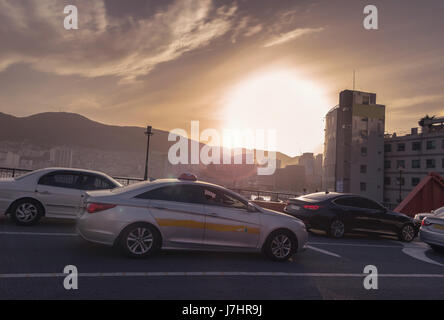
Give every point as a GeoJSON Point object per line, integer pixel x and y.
{"type": "Point", "coordinates": [311, 207]}
{"type": "Point", "coordinates": [425, 223]}
{"type": "Point", "coordinates": [96, 207]}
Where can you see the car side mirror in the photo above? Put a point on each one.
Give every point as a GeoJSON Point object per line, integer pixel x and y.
{"type": "Point", "coordinates": [251, 208]}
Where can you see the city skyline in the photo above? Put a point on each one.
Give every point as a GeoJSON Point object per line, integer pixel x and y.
{"type": "Point", "coordinates": [133, 65]}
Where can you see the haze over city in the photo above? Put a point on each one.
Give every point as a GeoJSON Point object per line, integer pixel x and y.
{"type": "Point", "coordinates": [228, 64]}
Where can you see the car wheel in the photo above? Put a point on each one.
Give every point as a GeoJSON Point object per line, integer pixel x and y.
{"type": "Point", "coordinates": [140, 240]}
{"type": "Point", "coordinates": [26, 212]}
{"type": "Point", "coordinates": [407, 233]}
{"type": "Point", "coordinates": [280, 245]}
{"type": "Point", "coordinates": [337, 229]}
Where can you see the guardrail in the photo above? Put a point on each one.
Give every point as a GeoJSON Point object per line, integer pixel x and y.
{"type": "Point", "coordinates": [256, 195]}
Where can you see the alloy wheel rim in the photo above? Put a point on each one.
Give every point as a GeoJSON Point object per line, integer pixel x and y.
{"type": "Point", "coordinates": [337, 228]}
{"type": "Point", "coordinates": [407, 233]}
{"type": "Point", "coordinates": [281, 246]}
{"type": "Point", "coordinates": [139, 241]}
{"type": "Point", "coordinates": [26, 212]}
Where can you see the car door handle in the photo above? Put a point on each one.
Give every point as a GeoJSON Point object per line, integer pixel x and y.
{"type": "Point", "coordinates": [214, 214]}
{"type": "Point", "coordinates": [43, 192]}
{"type": "Point", "coordinates": [159, 208]}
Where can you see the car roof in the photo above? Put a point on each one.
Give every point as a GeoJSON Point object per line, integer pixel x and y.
{"type": "Point", "coordinates": [323, 196]}
{"type": "Point", "coordinates": [146, 186]}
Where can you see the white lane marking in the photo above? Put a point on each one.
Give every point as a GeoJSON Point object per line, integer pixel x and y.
{"type": "Point", "coordinates": [417, 251]}
{"type": "Point", "coordinates": [323, 251]}
{"type": "Point", "coordinates": [215, 274]}
{"type": "Point", "coordinates": [59, 234]}
{"type": "Point", "coordinates": [355, 245]}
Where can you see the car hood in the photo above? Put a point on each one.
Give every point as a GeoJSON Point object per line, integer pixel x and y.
{"type": "Point", "coordinates": [399, 214]}
{"type": "Point", "coordinates": [277, 213]}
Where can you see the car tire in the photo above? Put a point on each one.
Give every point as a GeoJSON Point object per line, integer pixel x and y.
{"type": "Point", "coordinates": [280, 245]}
{"type": "Point", "coordinates": [407, 233]}
{"type": "Point", "coordinates": [26, 212]}
{"type": "Point", "coordinates": [140, 240]}
{"type": "Point", "coordinates": [336, 229]}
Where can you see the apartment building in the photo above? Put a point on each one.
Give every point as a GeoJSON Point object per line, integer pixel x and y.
{"type": "Point", "coordinates": [409, 158]}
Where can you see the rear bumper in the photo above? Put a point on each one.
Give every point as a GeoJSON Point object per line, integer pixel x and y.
{"type": "Point", "coordinates": [431, 237]}
{"type": "Point", "coordinates": [94, 228]}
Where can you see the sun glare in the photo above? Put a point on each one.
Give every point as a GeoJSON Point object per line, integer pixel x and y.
{"type": "Point", "coordinates": [280, 100]}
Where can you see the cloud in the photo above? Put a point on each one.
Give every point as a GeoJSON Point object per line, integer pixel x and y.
{"type": "Point", "coordinates": [417, 100]}
{"type": "Point", "coordinates": [291, 35]}
{"type": "Point", "coordinates": [104, 45]}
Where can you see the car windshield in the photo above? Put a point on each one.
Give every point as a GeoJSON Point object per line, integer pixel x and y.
{"type": "Point", "coordinates": [439, 212]}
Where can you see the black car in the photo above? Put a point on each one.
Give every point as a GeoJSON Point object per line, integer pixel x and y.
{"type": "Point", "coordinates": [338, 213]}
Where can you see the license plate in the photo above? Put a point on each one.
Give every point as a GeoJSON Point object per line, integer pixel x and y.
{"type": "Point", "coordinates": [438, 226]}
{"type": "Point", "coordinates": [294, 207]}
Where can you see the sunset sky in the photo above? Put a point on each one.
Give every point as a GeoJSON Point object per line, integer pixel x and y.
{"type": "Point", "coordinates": [256, 64]}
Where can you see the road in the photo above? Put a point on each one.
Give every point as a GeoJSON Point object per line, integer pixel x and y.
{"type": "Point", "coordinates": [32, 260]}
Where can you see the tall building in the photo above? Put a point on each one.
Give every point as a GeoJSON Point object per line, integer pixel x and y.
{"type": "Point", "coordinates": [409, 158]}
{"type": "Point", "coordinates": [353, 150]}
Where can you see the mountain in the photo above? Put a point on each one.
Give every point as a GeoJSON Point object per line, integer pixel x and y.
{"type": "Point", "coordinates": [60, 128]}
{"type": "Point", "coordinates": [51, 129]}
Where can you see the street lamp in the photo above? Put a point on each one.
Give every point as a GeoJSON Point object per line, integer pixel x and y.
{"type": "Point", "coordinates": [400, 168]}
{"type": "Point", "coordinates": [149, 133]}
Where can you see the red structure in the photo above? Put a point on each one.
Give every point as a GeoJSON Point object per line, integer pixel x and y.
{"type": "Point", "coordinates": [425, 197]}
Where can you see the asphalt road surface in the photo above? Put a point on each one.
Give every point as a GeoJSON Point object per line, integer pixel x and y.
{"type": "Point", "coordinates": [32, 260]}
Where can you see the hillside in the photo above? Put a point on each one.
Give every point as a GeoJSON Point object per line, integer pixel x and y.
{"type": "Point", "coordinates": [69, 129]}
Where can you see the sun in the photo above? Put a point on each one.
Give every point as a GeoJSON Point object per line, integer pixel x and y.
{"type": "Point", "coordinates": [281, 100]}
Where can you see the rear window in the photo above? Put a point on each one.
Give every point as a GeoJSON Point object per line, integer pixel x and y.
{"type": "Point", "coordinates": [317, 196]}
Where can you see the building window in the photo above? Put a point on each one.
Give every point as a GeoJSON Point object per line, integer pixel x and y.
{"type": "Point", "coordinates": [366, 100]}
{"type": "Point", "coordinates": [416, 164]}
{"type": "Point", "coordinates": [431, 145]}
{"type": "Point", "coordinates": [416, 146]}
{"type": "Point", "coordinates": [400, 164]}
{"type": "Point", "coordinates": [402, 181]}
{"type": "Point", "coordinates": [415, 181]}
{"type": "Point", "coordinates": [387, 148]}
{"type": "Point", "coordinates": [400, 147]}
{"type": "Point", "coordinates": [387, 164]}
{"type": "Point", "coordinates": [363, 133]}
{"type": "Point", "coordinates": [430, 163]}
{"type": "Point", "coordinates": [364, 151]}
{"type": "Point", "coordinates": [387, 181]}
{"type": "Point", "coordinates": [363, 186]}
{"type": "Point", "coordinates": [363, 168]}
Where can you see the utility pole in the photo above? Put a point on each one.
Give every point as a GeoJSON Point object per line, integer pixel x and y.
{"type": "Point", "coordinates": [149, 133]}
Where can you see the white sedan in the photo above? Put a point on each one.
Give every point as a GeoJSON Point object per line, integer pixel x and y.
{"type": "Point", "coordinates": [52, 192]}
{"type": "Point", "coordinates": [186, 214]}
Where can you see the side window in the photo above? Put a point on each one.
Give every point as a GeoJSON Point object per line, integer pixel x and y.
{"type": "Point", "coordinates": [92, 182]}
{"type": "Point", "coordinates": [368, 204]}
{"type": "Point", "coordinates": [348, 201]}
{"type": "Point", "coordinates": [61, 180]}
{"type": "Point", "coordinates": [178, 193]}
{"type": "Point", "coordinates": [358, 202]}
{"type": "Point", "coordinates": [223, 199]}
